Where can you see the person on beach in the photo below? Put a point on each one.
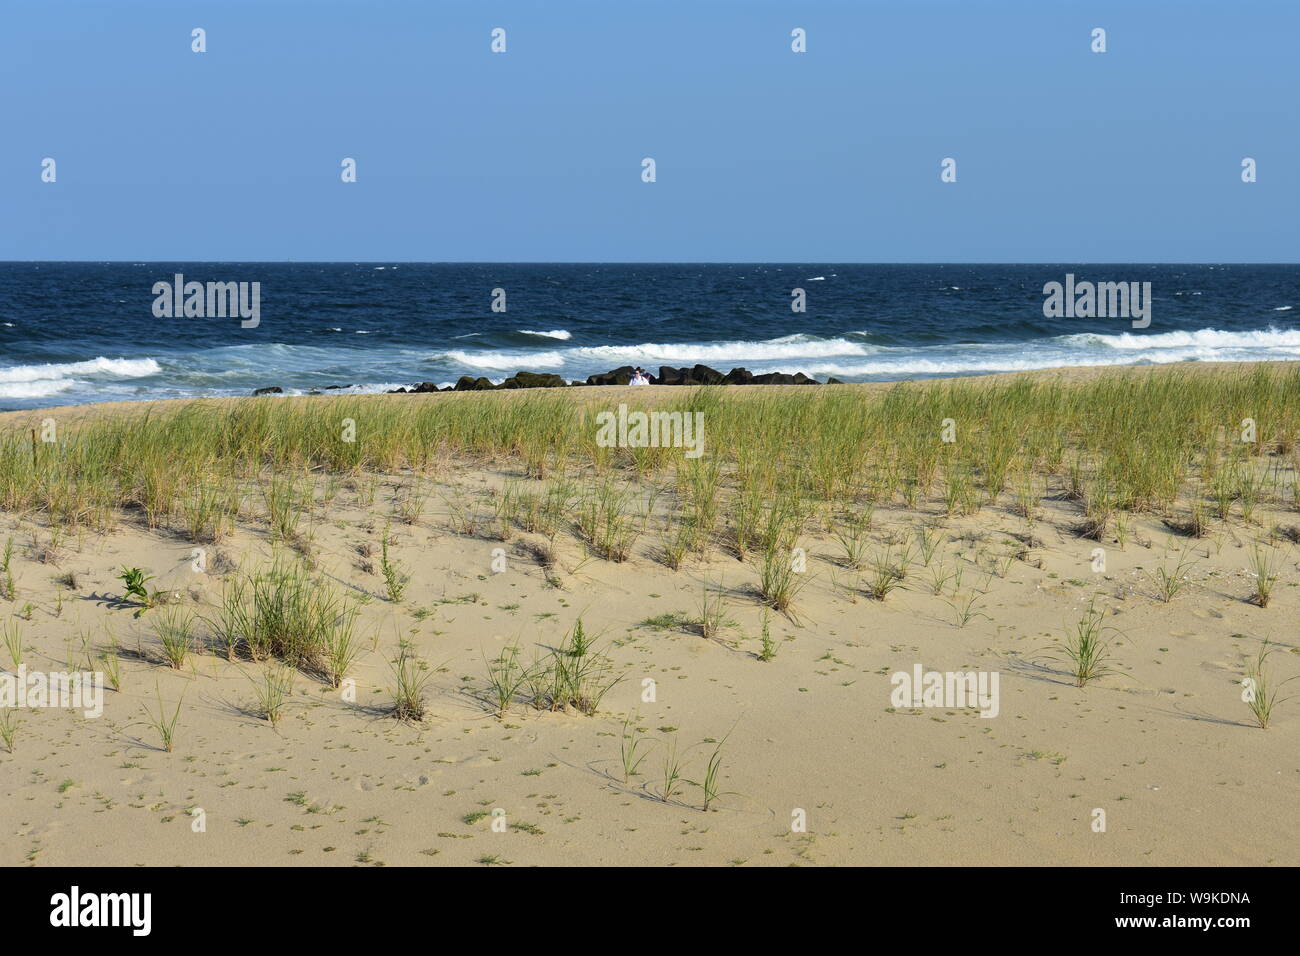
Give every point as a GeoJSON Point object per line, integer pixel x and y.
{"type": "Point", "coordinates": [639, 377]}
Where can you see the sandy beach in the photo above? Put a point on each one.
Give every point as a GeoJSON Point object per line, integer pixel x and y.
{"type": "Point", "coordinates": [794, 742]}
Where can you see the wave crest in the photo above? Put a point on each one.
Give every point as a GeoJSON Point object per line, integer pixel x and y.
{"type": "Point", "coordinates": [118, 368]}
{"type": "Point", "coordinates": [1201, 339]}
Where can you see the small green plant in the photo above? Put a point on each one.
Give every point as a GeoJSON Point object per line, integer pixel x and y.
{"type": "Point", "coordinates": [341, 647]}
{"type": "Point", "coordinates": [672, 772]}
{"type": "Point", "coordinates": [1170, 582]}
{"type": "Point", "coordinates": [1087, 648]}
{"type": "Point", "coordinates": [284, 507]}
{"type": "Point", "coordinates": [927, 542]}
{"type": "Point", "coordinates": [668, 621]}
{"type": "Point", "coordinates": [675, 542]}
{"type": "Point", "coordinates": [630, 745]}
{"type": "Point", "coordinates": [1027, 498]}
{"type": "Point", "coordinates": [767, 646]}
{"type": "Point", "coordinates": [604, 522]}
{"type": "Point", "coordinates": [781, 580]}
{"type": "Point", "coordinates": [1197, 524]}
{"type": "Point", "coordinates": [964, 608]}
{"type": "Point", "coordinates": [1260, 695]}
{"type": "Point", "coordinates": [409, 680]}
{"type": "Point", "coordinates": [409, 502]}
{"type": "Point", "coordinates": [1099, 511]}
{"type": "Point", "coordinates": [852, 538]}
{"type": "Point", "coordinates": [886, 575]}
{"type": "Point", "coordinates": [233, 623]}
{"type": "Point", "coordinates": [135, 579]}
{"type": "Point", "coordinates": [7, 583]}
{"type": "Point", "coordinates": [1250, 483]}
{"type": "Point", "coordinates": [8, 728]}
{"type": "Point", "coordinates": [175, 631]}
{"type": "Point", "coordinates": [164, 726]}
{"type": "Point", "coordinates": [394, 579]}
{"type": "Point", "coordinates": [713, 619]}
{"type": "Point", "coordinates": [574, 676]}
{"type": "Point", "coordinates": [272, 691]}
{"type": "Point", "coordinates": [207, 514]}
{"type": "Point", "coordinates": [711, 774]}
{"type": "Point", "coordinates": [12, 634]}
{"type": "Point", "coordinates": [939, 578]}
{"type": "Point", "coordinates": [1263, 567]}
{"type": "Point", "coordinates": [110, 662]}
{"type": "Point", "coordinates": [506, 675]}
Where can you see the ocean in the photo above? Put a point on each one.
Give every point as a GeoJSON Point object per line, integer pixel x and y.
{"type": "Point", "coordinates": [86, 332]}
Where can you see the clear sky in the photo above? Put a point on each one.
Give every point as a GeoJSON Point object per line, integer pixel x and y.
{"type": "Point", "coordinates": [762, 154]}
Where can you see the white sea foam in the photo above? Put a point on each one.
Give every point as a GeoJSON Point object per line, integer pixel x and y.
{"type": "Point", "coordinates": [843, 357]}
{"type": "Point", "coordinates": [604, 357]}
{"type": "Point", "coordinates": [503, 360]}
{"type": "Point", "coordinates": [41, 389]}
{"type": "Point", "coordinates": [118, 368]}
{"type": "Point", "coordinates": [689, 353]}
{"type": "Point", "coordinates": [371, 388]}
{"type": "Point", "coordinates": [561, 334]}
{"type": "Point", "coordinates": [236, 370]}
{"type": "Point", "coordinates": [1202, 338]}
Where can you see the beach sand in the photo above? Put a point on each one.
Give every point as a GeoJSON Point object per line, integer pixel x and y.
{"type": "Point", "coordinates": [1165, 748]}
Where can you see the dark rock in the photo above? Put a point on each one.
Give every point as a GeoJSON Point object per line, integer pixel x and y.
{"type": "Point", "coordinates": [270, 390]}
{"type": "Point", "coordinates": [534, 380]}
{"type": "Point", "coordinates": [703, 375]}
{"type": "Point", "coordinates": [620, 376]}
{"type": "Point", "coordinates": [699, 375]}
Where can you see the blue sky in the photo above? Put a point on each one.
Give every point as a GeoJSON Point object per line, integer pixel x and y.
{"type": "Point", "coordinates": [1063, 155]}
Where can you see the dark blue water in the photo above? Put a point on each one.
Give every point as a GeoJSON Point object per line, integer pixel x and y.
{"type": "Point", "coordinates": [84, 332]}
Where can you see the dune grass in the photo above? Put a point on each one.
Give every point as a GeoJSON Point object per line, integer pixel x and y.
{"type": "Point", "coordinates": [780, 466]}
{"type": "Point", "coordinates": [1134, 443]}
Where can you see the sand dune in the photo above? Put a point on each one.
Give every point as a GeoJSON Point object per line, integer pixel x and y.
{"type": "Point", "coordinates": [1165, 746]}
